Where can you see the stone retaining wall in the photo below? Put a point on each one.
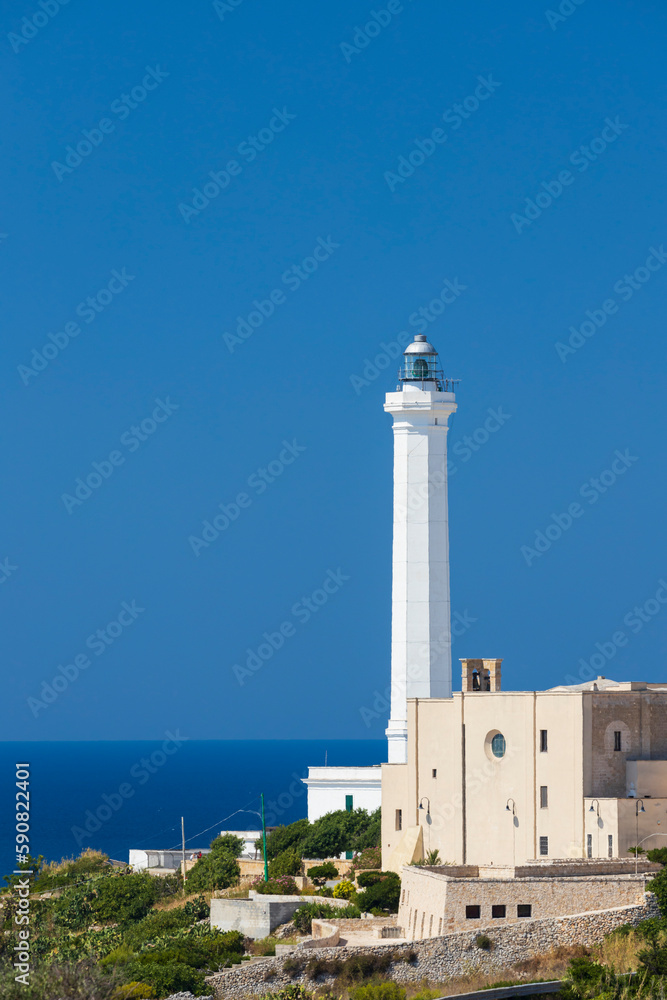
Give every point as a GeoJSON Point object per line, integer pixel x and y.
{"type": "Point", "coordinates": [440, 959]}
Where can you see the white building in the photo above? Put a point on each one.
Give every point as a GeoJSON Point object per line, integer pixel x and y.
{"type": "Point", "coordinates": [421, 635]}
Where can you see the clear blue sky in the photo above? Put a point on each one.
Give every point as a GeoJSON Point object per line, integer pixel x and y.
{"type": "Point", "coordinates": [172, 92]}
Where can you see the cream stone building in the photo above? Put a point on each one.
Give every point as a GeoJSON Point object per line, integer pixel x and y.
{"type": "Point", "coordinates": [504, 777]}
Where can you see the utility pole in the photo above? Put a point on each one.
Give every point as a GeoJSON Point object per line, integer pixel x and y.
{"type": "Point", "coordinates": [266, 864]}
{"type": "Point", "coordinates": [183, 846]}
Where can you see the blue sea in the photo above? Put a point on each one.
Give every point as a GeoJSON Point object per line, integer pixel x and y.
{"type": "Point", "coordinates": [114, 796]}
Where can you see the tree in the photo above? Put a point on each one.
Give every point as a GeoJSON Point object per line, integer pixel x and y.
{"type": "Point", "coordinates": [319, 874]}
{"type": "Point", "coordinates": [229, 843]}
{"type": "Point", "coordinates": [217, 870]}
{"type": "Point", "coordinates": [286, 863]}
{"type": "Point", "coordinates": [283, 838]}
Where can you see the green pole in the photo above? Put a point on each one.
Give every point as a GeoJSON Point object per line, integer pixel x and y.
{"type": "Point", "coordinates": [266, 864]}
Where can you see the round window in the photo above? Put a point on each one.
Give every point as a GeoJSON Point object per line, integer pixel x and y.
{"type": "Point", "coordinates": [498, 745]}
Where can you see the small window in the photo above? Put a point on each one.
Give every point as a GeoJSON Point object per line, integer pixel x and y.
{"type": "Point", "coordinates": [589, 845]}
{"type": "Point", "coordinates": [348, 803]}
{"type": "Point", "coordinates": [498, 911]}
{"type": "Point", "coordinates": [498, 745]}
{"type": "Point", "coordinates": [402, 897]}
{"type": "Point", "coordinates": [617, 740]}
{"type": "Point", "coordinates": [544, 797]}
{"type": "Point", "coordinates": [544, 847]}
{"type": "Point", "coordinates": [524, 910]}
{"type": "Point", "coordinates": [430, 926]}
{"type": "Point", "coordinates": [610, 846]}
{"type": "Point", "coordinates": [399, 819]}
{"type": "Point", "coordinates": [472, 912]}
{"type": "Point", "coordinates": [439, 926]}
{"type": "Point", "coordinates": [543, 741]}
{"type": "Point", "coordinates": [435, 772]}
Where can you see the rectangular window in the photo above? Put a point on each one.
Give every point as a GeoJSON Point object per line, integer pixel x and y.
{"type": "Point", "coordinates": [430, 926]}
{"type": "Point", "coordinates": [402, 897]}
{"type": "Point", "coordinates": [399, 819]}
{"type": "Point", "coordinates": [617, 740]}
{"type": "Point", "coordinates": [543, 741]}
{"type": "Point", "coordinates": [435, 772]}
{"type": "Point", "coordinates": [610, 846]}
{"type": "Point", "coordinates": [544, 796]}
{"type": "Point", "coordinates": [544, 846]}
{"type": "Point", "coordinates": [498, 911]}
{"type": "Point", "coordinates": [524, 910]}
{"type": "Point", "coordinates": [589, 845]}
{"type": "Point", "coordinates": [439, 926]}
{"type": "Point", "coordinates": [348, 803]}
{"type": "Point", "coordinates": [472, 912]}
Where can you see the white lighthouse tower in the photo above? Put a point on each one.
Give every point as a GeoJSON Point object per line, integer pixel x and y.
{"type": "Point", "coordinates": [421, 662]}
{"type": "Point", "coordinates": [421, 665]}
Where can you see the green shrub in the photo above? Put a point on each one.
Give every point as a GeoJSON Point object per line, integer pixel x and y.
{"type": "Point", "coordinates": [295, 992]}
{"type": "Point", "coordinates": [484, 942]}
{"type": "Point", "coordinates": [168, 977]}
{"type": "Point", "coordinates": [328, 836]}
{"type": "Point", "coordinates": [383, 895]}
{"type": "Point", "coordinates": [133, 991]}
{"type": "Point", "coordinates": [368, 878]}
{"type": "Point", "coordinates": [319, 874]}
{"type": "Point", "coordinates": [286, 863]}
{"type": "Point", "coordinates": [304, 916]}
{"type": "Point", "coordinates": [281, 885]}
{"type": "Point", "coordinates": [344, 890]}
{"type": "Point", "coordinates": [123, 898]}
{"type": "Point", "coordinates": [379, 991]}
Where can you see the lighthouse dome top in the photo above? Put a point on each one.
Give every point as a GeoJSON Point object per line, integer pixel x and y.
{"type": "Point", "coordinates": [420, 345]}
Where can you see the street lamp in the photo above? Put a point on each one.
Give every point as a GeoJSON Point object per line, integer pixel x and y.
{"type": "Point", "coordinates": [639, 808]}
{"type": "Point", "coordinates": [512, 809]}
{"type": "Point", "coordinates": [428, 806]}
{"type": "Point", "coordinates": [597, 823]}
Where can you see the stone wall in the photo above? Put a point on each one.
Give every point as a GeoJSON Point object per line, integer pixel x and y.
{"type": "Point", "coordinates": [439, 959]}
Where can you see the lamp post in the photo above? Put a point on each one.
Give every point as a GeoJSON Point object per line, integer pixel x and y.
{"type": "Point", "coordinates": [426, 799]}
{"type": "Point", "coordinates": [639, 808]}
{"type": "Point", "coordinates": [597, 823]}
{"type": "Point", "coordinates": [512, 809]}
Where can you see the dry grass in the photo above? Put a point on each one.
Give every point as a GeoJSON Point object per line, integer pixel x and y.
{"type": "Point", "coordinates": [173, 902]}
